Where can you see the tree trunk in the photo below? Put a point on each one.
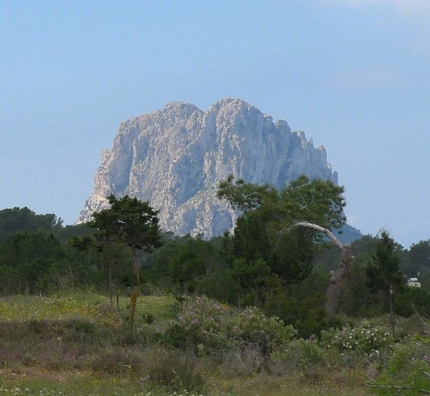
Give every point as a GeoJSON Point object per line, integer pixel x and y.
{"type": "Point", "coordinates": [110, 283]}
{"type": "Point", "coordinates": [390, 308]}
{"type": "Point", "coordinates": [337, 281]}
{"type": "Point", "coordinates": [135, 293]}
{"type": "Point", "coordinates": [338, 277]}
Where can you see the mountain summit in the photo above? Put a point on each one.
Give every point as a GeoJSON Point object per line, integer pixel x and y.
{"type": "Point", "coordinates": [175, 158]}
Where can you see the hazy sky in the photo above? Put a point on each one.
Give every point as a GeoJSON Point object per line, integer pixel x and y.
{"type": "Point", "coordinates": [354, 75]}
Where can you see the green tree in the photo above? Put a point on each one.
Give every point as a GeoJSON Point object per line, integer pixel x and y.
{"type": "Point", "coordinates": [302, 305]}
{"type": "Point", "coordinates": [317, 201]}
{"type": "Point", "coordinates": [411, 301]}
{"type": "Point", "coordinates": [25, 220]}
{"type": "Point", "coordinates": [251, 278]}
{"type": "Point", "coordinates": [109, 255]}
{"type": "Point", "coordinates": [134, 223]}
{"type": "Point", "coordinates": [68, 232]}
{"type": "Point", "coordinates": [356, 299]}
{"type": "Point", "coordinates": [419, 258]}
{"type": "Point", "coordinates": [30, 256]}
{"type": "Point", "coordinates": [267, 229]}
{"type": "Point", "coordinates": [182, 263]}
{"type": "Point", "coordinates": [384, 273]}
{"type": "Point", "coordinates": [185, 267]}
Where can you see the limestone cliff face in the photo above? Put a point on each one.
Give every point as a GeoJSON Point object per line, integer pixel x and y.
{"type": "Point", "coordinates": [175, 157]}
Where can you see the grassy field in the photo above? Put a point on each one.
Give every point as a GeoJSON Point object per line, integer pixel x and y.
{"type": "Point", "coordinates": [78, 344]}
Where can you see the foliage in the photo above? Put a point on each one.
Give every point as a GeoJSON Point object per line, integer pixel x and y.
{"type": "Point", "coordinates": [22, 220]}
{"type": "Point", "coordinates": [207, 326]}
{"type": "Point", "coordinates": [250, 279]}
{"type": "Point", "coordinates": [364, 248]}
{"type": "Point", "coordinates": [384, 271]}
{"type": "Point", "coordinates": [299, 354]}
{"type": "Point", "coordinates": [413, 300]}
{"type": "Point", "coordinates": [408, 370]}
{"type": "Point", "coordinates": [357, 300]}
{"type": "Point", "coordinates": [81, 347]}
{"type": "Point", "coordinates": [181, 263]}
{"type": "Point", "coordinates": [37, 262]}
{"type": "Point", "coordinates": [219, 285]}
{"type": "Point", "coordinates": [316, 201]}
{"type": "Point", "coordinates": [132, 222]}
{"type": "Point", "coordinates": [21, 248]}
{"type": "Point", "coordinates": [419, 258]}
{"type": "Point", "coordinates": [366, 340]}
{"type": "Point", "coordinates": [111, 257]}
{"type": "Point", "coordinates": [66, 233]}
{"type": "Point", "coordinates": [265, 239]}
{"type": "Point", "coordinates": [176, 371]}
{"type": "Point", "coordinates": [301, 305]}
{"type": "Point", "coordinates": [257, 265]}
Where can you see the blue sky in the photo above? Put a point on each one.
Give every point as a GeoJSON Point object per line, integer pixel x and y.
{"type": "Point", "coordinates": [354, 75]}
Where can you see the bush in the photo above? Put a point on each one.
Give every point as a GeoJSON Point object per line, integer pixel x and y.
{"type": "Point", "coordinates": [408, 369]}
{"type": "Point", "coordinates": [368, 342]}
{"type": "Point", "coordinates": [243, 361]}
{"type": "Point", "coordinates": [118, 361]}
{"type": "Point", "coordinates": [411, 326]}
{"type": "Point", "coordinates": [298, 355]}
{"type": "Point", "coordinates": [213, 326]}
{"type": "Point", "coordinates": [175, 370]}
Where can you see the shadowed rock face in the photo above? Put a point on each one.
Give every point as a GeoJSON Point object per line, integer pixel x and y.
{"type": "Point", "coordinates": [175, 157]}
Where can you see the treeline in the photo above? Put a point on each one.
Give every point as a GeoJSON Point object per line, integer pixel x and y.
{"type": "Point", "coordinates": [267, 262]}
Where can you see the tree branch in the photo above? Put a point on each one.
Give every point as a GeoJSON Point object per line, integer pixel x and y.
{"type": "Point", "coordinates": [324, 230]}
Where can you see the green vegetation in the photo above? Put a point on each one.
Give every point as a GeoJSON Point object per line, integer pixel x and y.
{"type": "Point", "coordinates": [242, 314]}
{"type": "Point", "coordinates": [130, 222]}
{"type": "Point", "coordinates": [77, 343]}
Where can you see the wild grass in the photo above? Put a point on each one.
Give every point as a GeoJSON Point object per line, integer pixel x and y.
{"type": "Point", "coordinates": [79, 304]}
{"type": "Point", "coordinates": [76, 343]}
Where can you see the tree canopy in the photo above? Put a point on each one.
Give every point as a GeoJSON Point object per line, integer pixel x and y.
{"type": "Point", "coordinates": [25, 220]}
{"type": "Point", "coordinates": [317, 201]}
{"type": "Point", "coordinates": [128, 220]}
{"type": "Point", "coordinates": [266, 228]}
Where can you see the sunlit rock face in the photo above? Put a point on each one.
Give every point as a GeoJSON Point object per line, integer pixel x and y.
{"type": "Point", "coordinates": [175, 158]}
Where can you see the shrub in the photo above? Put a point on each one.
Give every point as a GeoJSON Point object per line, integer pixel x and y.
{"type": "Point", "coordinates": [365, 339]}
{"type": "Point", "coordinates": [411, 326]}
{"type": "Point", "coordinates": [117, 361]}
{"type": "Point", "coordinates": [361, 345]}
{"type": "Point", "coordinates": [408, 369]}
{"type": "Point", "coordinates": [175, 370]}
{"type": "Point", "coordinates": [216, 326]}
{"type": "Point", "coordinates": [243, 361]}
{"type": "Point", "coordinates": [297, 355]}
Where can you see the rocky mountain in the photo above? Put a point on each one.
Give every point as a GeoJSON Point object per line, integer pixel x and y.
{"type": "Point", "coordinates": [175, 157]}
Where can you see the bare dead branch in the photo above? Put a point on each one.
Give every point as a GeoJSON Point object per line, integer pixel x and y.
{"type": "Point", "coordinates": [323, 230]}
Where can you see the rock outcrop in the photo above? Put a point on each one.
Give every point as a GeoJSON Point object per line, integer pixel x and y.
{"type": "Point", "coordinates": [175, 158]}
